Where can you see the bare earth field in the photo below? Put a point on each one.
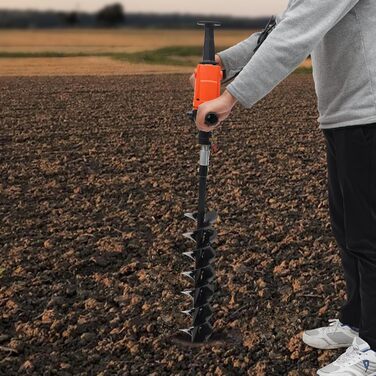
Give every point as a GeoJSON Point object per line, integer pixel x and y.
{"type": "Point", "coordinates": [96, 173]}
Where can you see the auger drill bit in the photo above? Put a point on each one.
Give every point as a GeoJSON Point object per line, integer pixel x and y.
{"type": "Point", "coordinates": [208, 75]}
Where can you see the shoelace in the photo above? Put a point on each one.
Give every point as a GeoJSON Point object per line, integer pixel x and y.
{"type": "Point", "coordinates": [351, 355]}
{"type": "Point", "coordinates": [333, 325]}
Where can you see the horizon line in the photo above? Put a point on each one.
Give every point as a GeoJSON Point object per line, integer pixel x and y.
{"type": "Point", "coordinates": [133, 12]}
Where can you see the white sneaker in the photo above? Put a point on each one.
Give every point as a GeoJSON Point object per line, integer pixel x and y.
{"type": "Point", "coordinates": [358, 360]}
{"type": "Point", "coordinates": [334, 336]}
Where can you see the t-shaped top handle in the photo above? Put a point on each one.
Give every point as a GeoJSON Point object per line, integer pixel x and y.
{"type": "Point", "coordinates": [209, 45]}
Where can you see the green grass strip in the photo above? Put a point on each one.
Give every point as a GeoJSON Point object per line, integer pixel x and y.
{"type": "Point", "coordinates": [47, 54]}
{"type": "Point", "coordinates": [164, 56]}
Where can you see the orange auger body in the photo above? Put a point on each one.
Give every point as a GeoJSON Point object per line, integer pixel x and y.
{"type": "Point", "coordinates": [208, 83]}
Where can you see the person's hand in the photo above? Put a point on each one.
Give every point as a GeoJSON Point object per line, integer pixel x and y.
{"type": "Point", "coordinates": [222, 106]}
{"type": "Point", "coordinates": [192, 78]}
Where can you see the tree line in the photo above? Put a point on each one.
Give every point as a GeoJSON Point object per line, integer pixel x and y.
{"type": "Point", "coordinates": [114, 16]}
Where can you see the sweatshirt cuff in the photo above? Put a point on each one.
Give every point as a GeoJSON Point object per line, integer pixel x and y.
{"type": "Point", "coordinates": [231, 88]}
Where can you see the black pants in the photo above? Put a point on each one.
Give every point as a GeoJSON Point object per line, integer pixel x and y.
{"type": "Point", "coordinates": [351, 157]}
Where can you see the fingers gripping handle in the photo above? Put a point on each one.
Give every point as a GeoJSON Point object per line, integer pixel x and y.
{"type": "Point", "coordinates": [211, 119]}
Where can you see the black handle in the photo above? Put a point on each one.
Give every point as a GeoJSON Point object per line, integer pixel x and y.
{"type": "Point", "coordinates": [211, 119]}
{"type": "Point", "coordinates": [209, 46]}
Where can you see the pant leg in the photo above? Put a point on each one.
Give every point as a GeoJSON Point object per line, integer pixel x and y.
{"type": "Point", "coordinates": [351, 310]}
{"type": "Point", "coordinates": [356, 165]}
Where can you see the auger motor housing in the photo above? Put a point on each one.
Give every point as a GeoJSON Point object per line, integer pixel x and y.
{"type": "Point", "coordinates": [208, 76]}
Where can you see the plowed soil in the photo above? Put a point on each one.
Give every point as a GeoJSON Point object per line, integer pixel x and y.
{"type": "Point", "coordinates": [96, 174]}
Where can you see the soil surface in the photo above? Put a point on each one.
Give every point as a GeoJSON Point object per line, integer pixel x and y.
{"type": "Point", "coordinates": [96, 174]}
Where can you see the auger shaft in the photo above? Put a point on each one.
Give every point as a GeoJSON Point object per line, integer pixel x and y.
{"type": "Point", "coordinates": [207, 87]}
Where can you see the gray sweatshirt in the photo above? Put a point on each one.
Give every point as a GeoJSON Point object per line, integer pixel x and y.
{"type": "Point", "coordinates": [340, 35]}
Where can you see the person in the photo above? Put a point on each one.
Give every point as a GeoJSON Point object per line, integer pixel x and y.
{"type": "Point", "coordinates": [340, 36]}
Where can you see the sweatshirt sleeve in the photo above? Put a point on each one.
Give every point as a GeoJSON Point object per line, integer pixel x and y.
{"type": "Point", "coordinates": [303, 25]}
{"type": "Point", "coordinates": [236, 57]}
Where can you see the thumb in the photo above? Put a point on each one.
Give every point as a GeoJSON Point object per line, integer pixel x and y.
{"type": "Point", "coordinates": [192, 80]}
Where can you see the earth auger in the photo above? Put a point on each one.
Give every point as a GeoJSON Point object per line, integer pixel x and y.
{"type": "Point", "coordinates": [208, 76]}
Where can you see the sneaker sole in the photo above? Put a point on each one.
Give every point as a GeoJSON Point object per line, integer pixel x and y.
{"type": "Point", "coordinates": [338, 374]}
{"type": "Point", "coordinates": [322, 344]}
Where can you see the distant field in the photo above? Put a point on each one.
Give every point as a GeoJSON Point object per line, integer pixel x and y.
{"type": "Point", "coordinates": [105, 52]}
{"type": "Point", "coordinates": [108, 41]}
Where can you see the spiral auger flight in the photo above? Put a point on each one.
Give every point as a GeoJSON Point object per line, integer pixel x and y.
{"type": "Point", "coordinates": [208, 75]}
{"type": "Point", "coordinates": [202, 276]}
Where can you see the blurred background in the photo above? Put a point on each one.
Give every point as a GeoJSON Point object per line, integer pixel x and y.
{"type": "Point", "coordinates": [96, 37]}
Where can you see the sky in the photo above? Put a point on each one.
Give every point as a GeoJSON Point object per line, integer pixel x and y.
{"type": "Point", "coordinates": [246, 8]}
